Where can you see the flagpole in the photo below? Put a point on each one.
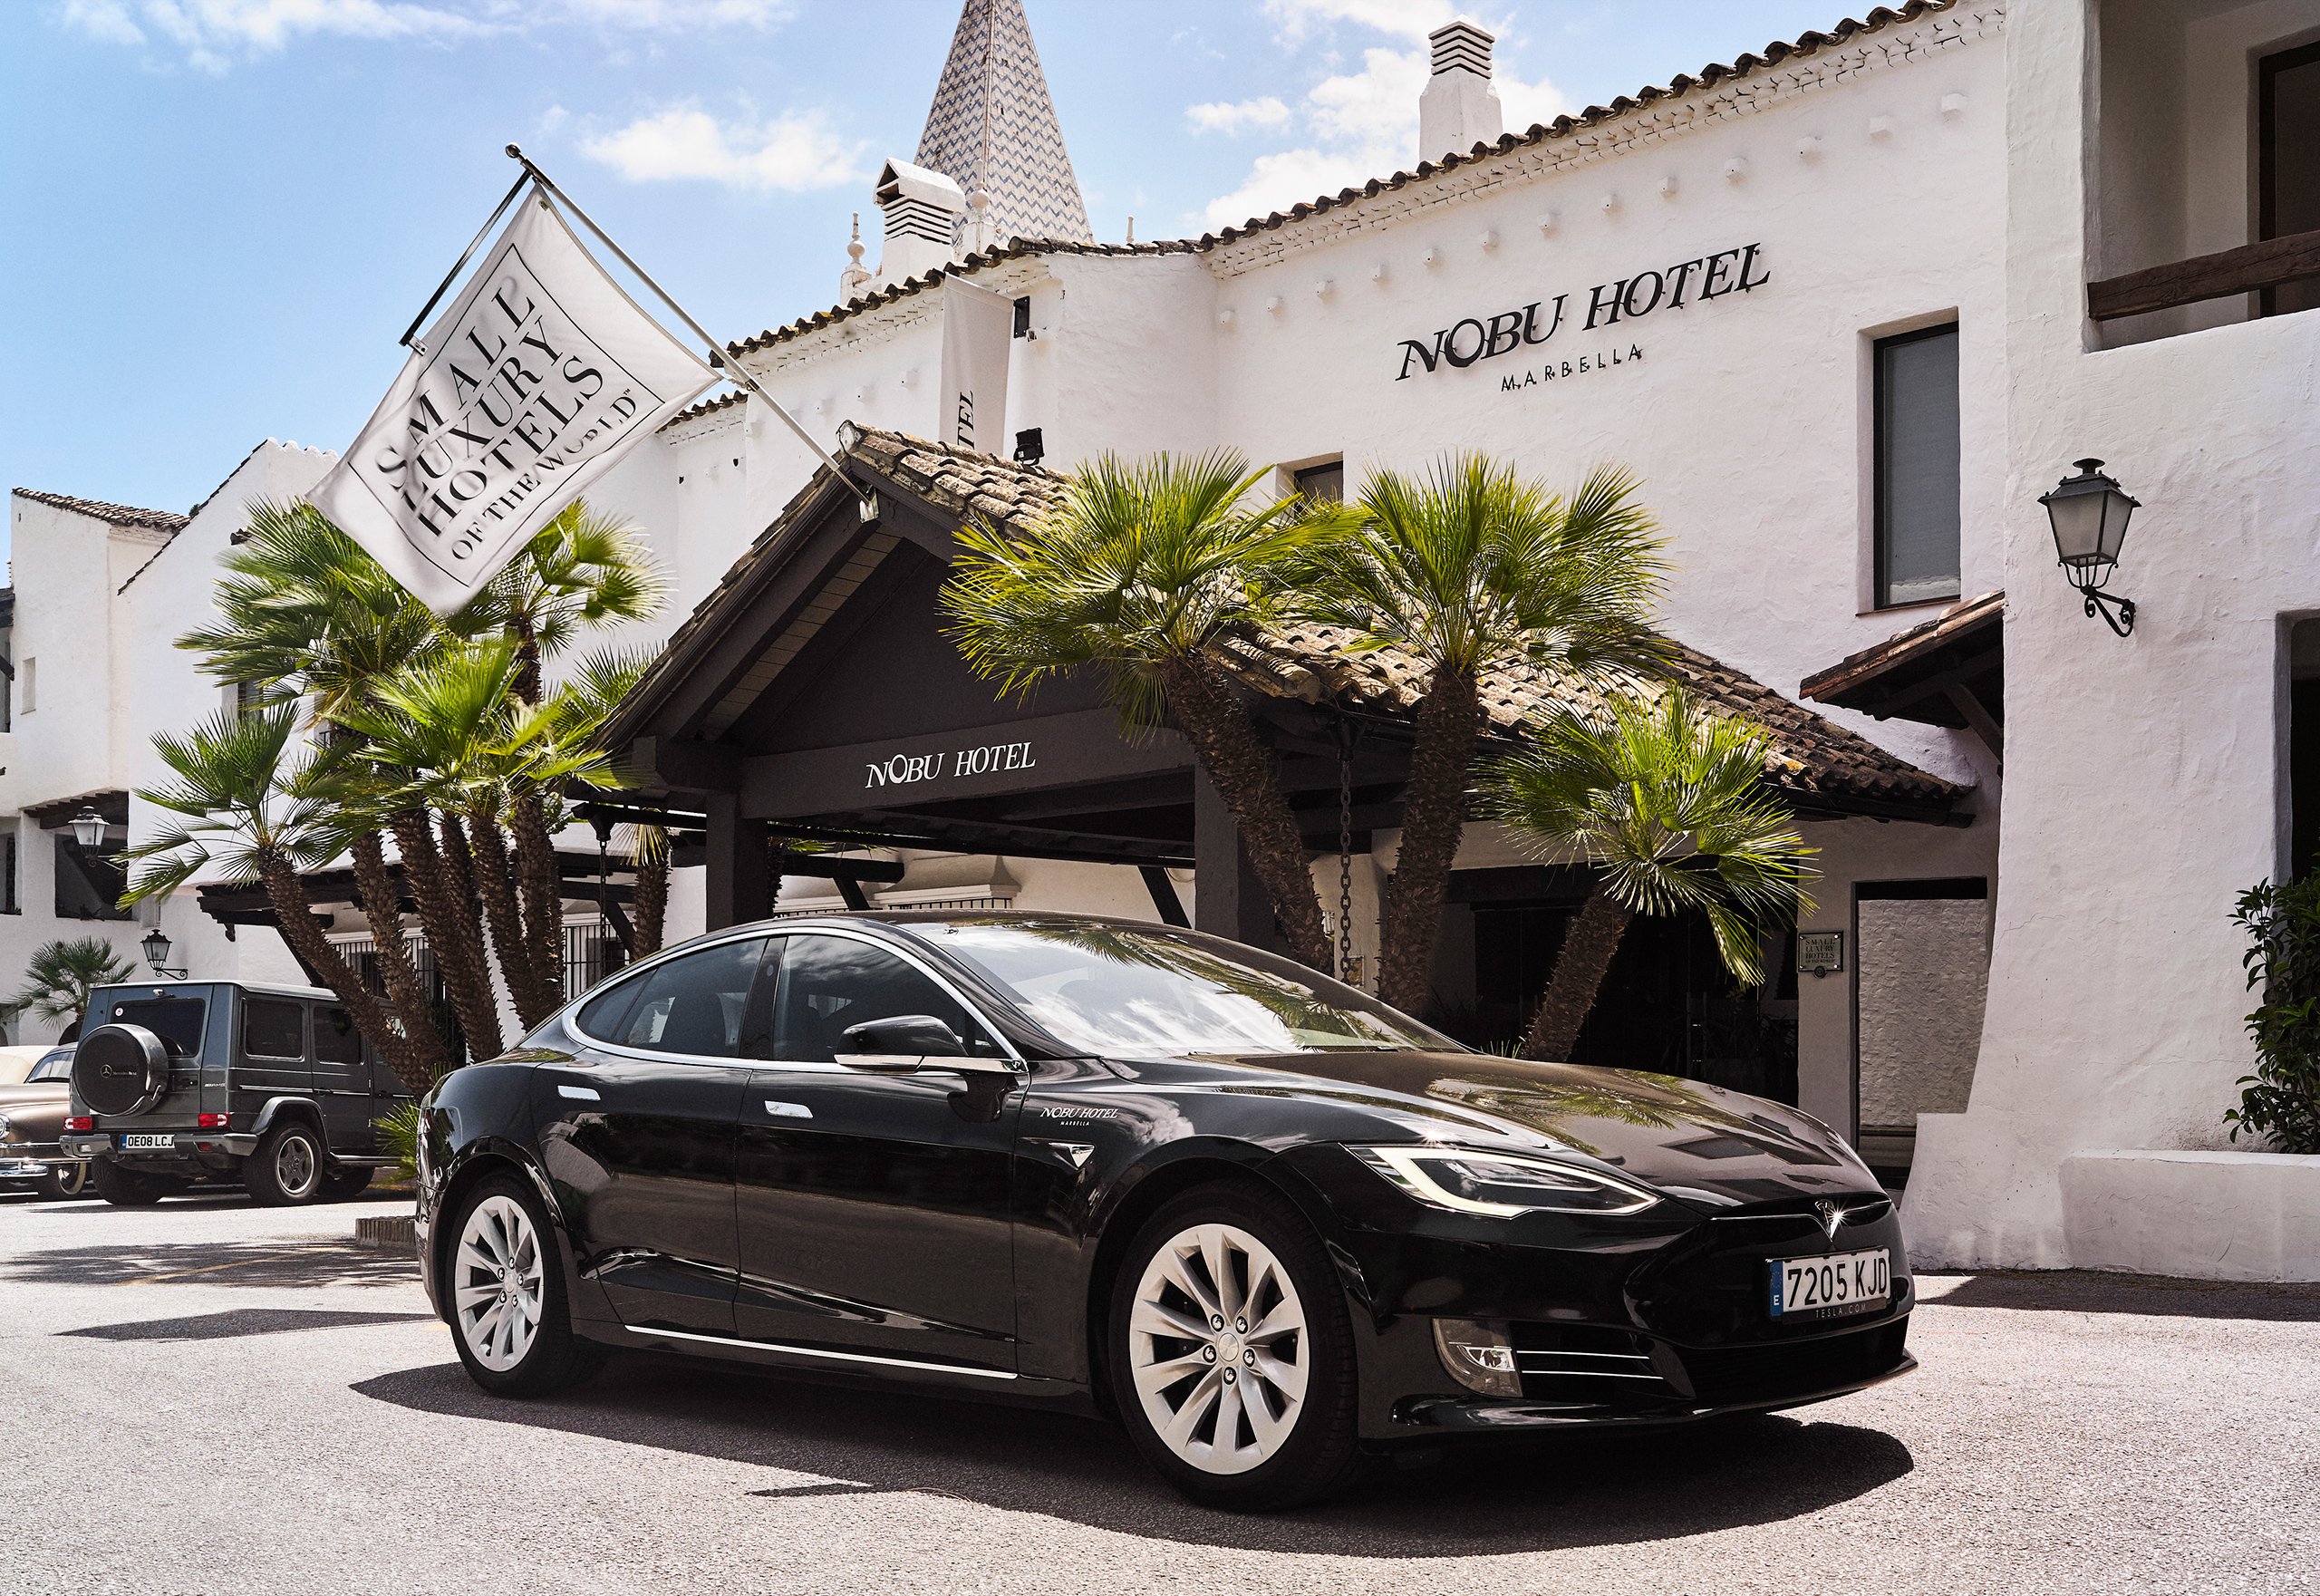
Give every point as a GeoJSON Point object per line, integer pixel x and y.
{"type": "Point", "coordinates": [465, 255]}
{"type": "Point", "coordinates": [719, 360]}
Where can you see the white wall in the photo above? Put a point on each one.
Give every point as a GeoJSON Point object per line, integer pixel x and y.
{"type": "Point", "coordinates": [2144, 775]}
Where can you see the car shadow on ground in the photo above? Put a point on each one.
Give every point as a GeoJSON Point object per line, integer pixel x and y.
{"type": "Point", "coordinates": [235, 1322]}
{"type": "Point", "coordinates": [294, 1260]}
{"type": "Point", "coordinates": [2086, 1290]}
{"type": "Point", "coordinates": [1573, 1492]}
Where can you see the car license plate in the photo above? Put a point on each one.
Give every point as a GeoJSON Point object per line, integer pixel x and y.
{"type": "Point", "coordinates": [1838, 1283]}
{"type": "Point", "coordinates": [149, 1144]}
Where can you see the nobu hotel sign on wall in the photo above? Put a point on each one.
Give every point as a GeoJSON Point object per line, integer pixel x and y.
{"type": "Point", "coordinates": [1619, 303]}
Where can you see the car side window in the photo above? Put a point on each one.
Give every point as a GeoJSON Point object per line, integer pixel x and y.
{"type": "Point", "coordinates": [830, 982]}
{"type": "Point", "coordinates": [695, 1003]}
{"type": "Point", "coordinates": [272, 1030]}
{"type": "Point", "coordinates": [336, 1041]}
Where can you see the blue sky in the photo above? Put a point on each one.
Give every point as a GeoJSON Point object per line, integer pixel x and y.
{"type": "Point", "coordinates": [222, 213]}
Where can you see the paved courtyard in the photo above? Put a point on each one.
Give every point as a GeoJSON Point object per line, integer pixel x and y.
{"type": "Point", "coordinates": [210, 1396]}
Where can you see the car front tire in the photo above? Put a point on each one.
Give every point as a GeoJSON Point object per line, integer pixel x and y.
{"type": "Point", "coordinates": [130, 1188]}
{"type": "Point", "coordinates": [288, 1168]}
{"type": "Point", "coordinates": [502, 1288]}
{"type": "Point", "coordinates": [1231, 1352]}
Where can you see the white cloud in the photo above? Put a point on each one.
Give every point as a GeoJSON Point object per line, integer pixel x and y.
{"type": "Point", "coordinates": [794, 150]}
{"type": "Point", "coordinates": [1409, 19]}
{"type": "Point", "coordinates": [1219, 117]}
{"type": "Point", "coordinates": [213, 34]}
{"type": "Point", "coordinates": [1360, 125]}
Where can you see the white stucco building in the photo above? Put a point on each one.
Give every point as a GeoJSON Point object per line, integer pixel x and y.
{"type": "Point", "coordinates": [1837, 306]}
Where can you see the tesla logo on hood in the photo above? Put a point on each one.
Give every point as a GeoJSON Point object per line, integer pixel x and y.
{"type": "Point", "coordinates": [1832, 1216]}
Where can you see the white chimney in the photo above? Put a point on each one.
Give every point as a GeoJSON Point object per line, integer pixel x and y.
{"type": "Point", "coordinates": [1459, 109]}
{"type": "Point", "coordinates": [924, 214]}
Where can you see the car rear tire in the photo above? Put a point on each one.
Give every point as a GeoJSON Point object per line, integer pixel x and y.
{"type": "Point", "coordinates": [288, 1166]}
{"type": "Point", "coordinates": [130, 1188]}
{"type": "Point", "coordinates": [502, 1288]}
{"type": "Point", "coordinates": [1231, 1352]}
{"type": "Point", "coordinates": [342, 1183]}
{"type": "Point", "coordinates": [64, 1181]}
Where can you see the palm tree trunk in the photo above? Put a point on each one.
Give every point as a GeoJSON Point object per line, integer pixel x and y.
{"type": "Point", "coordinates": [496, 885]}
{"type": "Point", "coordinates": [543, 888]}
{"type": "Point", "coordinates": [650, 911]}
{"type": "Point", "coordinates": [1214, 722]}
{"type": "Point", "coordinates": [447, 914]}
{"type": "Point", "coordinates": [1434, 817]}
{"type": "Point", "coordinates": [528, 660]}
{"type": "Point", "coordinates": [1581, 966]}
{"type": "Point", "coordinates": [292, 913]}
{"type": "Point", "coordinates": [420, 1045]}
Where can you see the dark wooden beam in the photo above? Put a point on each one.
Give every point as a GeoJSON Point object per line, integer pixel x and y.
{"type": "Point", "coordinates": [2265, 265]}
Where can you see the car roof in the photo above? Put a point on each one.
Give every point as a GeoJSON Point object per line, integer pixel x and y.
{"type": "Point", "coordinates": [263, 988]}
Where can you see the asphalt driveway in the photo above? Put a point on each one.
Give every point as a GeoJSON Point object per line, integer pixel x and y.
{"type": "Point", "coordinates": [210, 1396]}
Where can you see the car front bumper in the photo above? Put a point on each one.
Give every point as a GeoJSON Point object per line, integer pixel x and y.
{"type": "Point", "coordinates": [26, 1163]}
{"type": "Point", "coordinates": [1657, 1318]}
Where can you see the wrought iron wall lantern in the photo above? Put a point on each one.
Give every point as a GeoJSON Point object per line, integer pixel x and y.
{"type": "Point", "coordinates": [157, 953]}
{"type": "Point", "coordinates": [2089, 513]}
{"type": "Point", "coordinates": [88, 831]}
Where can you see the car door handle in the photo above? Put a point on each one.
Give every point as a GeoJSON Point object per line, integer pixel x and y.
{"type": "Point", "coordinates": [584, 1093]}
{"type": "Point", "coordinates": [780, 1110]}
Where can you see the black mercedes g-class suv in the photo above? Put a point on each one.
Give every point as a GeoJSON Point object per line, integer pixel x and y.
{"type": "Point", "coordinates": [224, 1081]}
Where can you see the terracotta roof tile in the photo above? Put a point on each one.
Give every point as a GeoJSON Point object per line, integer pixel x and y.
{"type": "Point", "coordinates": [117, 515]}
{"type": "Point", "coordinates": [1911, 643]}
{"type": "Point", "coordinates": [1810, 755]}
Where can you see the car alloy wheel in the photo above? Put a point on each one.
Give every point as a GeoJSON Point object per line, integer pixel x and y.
{"type": "Point", "coordinates": [296, 1170]}
{"type": "Point", "coordinates": [1218, 1349]}
{"type": "Point", "coordinates": [497, 1282]}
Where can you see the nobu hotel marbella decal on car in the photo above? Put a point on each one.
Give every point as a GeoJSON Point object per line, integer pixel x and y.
{"type": "Point", "coordinates": [1472, 339]}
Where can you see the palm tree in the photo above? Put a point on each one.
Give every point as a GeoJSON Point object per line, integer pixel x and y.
{"type": "Point", "coordinates": [307, 616]}
{"type": "Point", "coordinates": [1668, 801]}
{"type": "Point", "coordinates": [581, 572]}
{"type": "Point", "coordinates": [59, 975]}
{"type": "Point", "coordinates": [450, 736]}
{"type": "Point", "coordinates": [1472, 569]}
{"type": "Point", "coordinates": [248, 807]}
{"type": "Point", "coordinates": [1138, 571]}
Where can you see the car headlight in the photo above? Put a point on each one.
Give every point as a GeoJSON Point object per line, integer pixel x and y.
{"type": "Point", "coordinates": [1502, 1183]}
{"type": "Point", "coordinates": [7, 1127]}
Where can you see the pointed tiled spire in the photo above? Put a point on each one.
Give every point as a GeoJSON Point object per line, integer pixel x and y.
{"type": "Point", "coordinates": [992, 128]}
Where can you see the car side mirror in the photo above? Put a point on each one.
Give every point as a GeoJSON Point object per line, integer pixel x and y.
{"type": "Point", "coordinates": [906, 1043]}
{"type": "Point", "coordinates": [921, 1036]}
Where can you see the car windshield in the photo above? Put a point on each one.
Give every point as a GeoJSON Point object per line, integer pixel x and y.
{"type": "Point", "coordinates": [56, 1064]}
{"type": "Point", "coordinates": [1141, 991]}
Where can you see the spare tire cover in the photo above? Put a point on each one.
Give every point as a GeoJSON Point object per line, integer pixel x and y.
{"type": "Point", "coordinates": [121, 1070]}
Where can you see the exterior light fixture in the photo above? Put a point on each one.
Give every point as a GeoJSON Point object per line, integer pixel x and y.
{"type": "Point", "coordinates": [2089, 513]}
{"type": "Point", "coordinates": [88, 829]}
{"type": "Point", "coordinates": [157, 953]}
{"type": "Point", "coordinates": [1031, 445]}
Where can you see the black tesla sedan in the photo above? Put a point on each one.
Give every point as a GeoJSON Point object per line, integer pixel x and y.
{"type": "Point", "coordinates": [1265, 1221]}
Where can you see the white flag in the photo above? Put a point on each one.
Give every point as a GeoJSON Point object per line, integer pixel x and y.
{"type": "Point", "coordinates": [977, 325]}
{"type": "Point", "coordinates": [541, 374]}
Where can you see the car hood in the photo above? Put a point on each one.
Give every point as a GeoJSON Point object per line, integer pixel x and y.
{"type": "Point", "coordinates": [1715, 1146]}
{"type": "Point", "coordinates": [36, 1091]}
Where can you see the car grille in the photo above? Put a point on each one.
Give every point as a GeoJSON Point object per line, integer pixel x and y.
{"type": "Point", "coordinates": [1587, 1364]}
{"type": "Point", "coordinates": [1768, 1371]}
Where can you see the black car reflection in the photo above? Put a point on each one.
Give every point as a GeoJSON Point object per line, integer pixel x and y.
{"type": "Point", "coordinates": [1268, 1223]}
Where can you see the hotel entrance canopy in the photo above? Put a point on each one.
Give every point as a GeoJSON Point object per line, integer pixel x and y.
{"type": "Point", "coordinates": [815, 696]}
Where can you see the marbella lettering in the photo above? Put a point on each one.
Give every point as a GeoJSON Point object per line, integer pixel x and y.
{"type": "Point", "coordinates": [517, 395]}
{"type": "Point", "coordinates": [1552, 371]}
{"type": "Point", "coordinates": [903, 769]}
{"type": "Point", "coordinates": [1471, 339]}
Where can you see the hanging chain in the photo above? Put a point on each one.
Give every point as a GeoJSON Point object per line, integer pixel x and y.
{"type": "Point", "coordinates": [1346, 971]}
